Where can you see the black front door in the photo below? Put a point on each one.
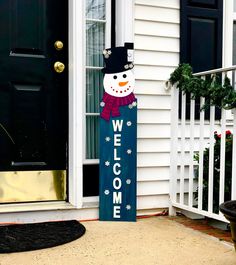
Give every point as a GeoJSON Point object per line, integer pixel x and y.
{"type": "Point", "coordinates": [33, 94]}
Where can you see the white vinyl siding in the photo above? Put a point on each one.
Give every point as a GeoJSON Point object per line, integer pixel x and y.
{"type": "Point", "coordinates": [156, 13]}
{"type": "Point", "coordinates": [149, 87]}
{"type": "Point", "coordinates": [156, 46]}
{"type": "Point", "coordinates": [144, 57]}
{"type": "Point", "coordinates": [160, 3]}
{"type": "Point", "coordinates": [152, 43]}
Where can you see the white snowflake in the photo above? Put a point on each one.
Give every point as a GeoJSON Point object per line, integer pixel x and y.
{"type": "Point", "coordinates": [102, 104]}
{"type": "Point", "coordinates": [107, 53]}
{"type": "Point", "coordinates": [107, 163]}
{"type": "Point", "coordinates": [128, 207]}
{"type": "Point", "coordinates": [128, 181]}
{"type": "Point", "coordinates": [107, 139]}
{"type": "Point", "coordinates": [130, 106]}
{"type": "Point", "coordinates": [129, 151]}
{"type": "Point", "coordinates": [134, 104]}
{"type": "Point", "coordinates": [129, 123]}
{"type": "Point", "coordinates": [106, 192]}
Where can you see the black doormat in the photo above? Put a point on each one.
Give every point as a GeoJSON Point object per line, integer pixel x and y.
{"type": "Point", "coordinates": [25, 237]}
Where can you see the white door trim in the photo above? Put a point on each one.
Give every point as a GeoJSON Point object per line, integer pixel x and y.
{"type": "Point", "coordinates": [76, 83]}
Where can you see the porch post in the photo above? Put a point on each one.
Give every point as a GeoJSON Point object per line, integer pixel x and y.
{"type": "Point", "coordinates": [174, 148]}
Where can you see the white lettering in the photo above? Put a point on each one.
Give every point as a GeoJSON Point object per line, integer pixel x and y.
{"type": "Point", "coordinates": [117, 183]}
{"type": "Point", "coordinates": [116, 158]}
{"type": "Point", "coordinates": [115, 170]}
{"type": "Point", "coordinates": [117, 197]}
{"type": "Point", "coordinates": [117, 124]}
{"type": "Point", "coordinates": [116, 212]}
{"type": "Point", "coordinates": [117, 139]}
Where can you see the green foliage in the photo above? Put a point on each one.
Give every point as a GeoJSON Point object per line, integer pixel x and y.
{"type": "Point", "coordinates": [216, 178]}
{"type": "Point", "coordinates": [216, 93]}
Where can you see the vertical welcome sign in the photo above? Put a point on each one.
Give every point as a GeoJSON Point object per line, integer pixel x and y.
{"type": "Point", "coordinates": [118, 134]}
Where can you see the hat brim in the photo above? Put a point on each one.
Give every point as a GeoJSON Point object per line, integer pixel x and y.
{"type": "Point", "coordinates": [113, 70]}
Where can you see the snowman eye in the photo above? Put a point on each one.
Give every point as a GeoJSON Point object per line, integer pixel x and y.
{"type": "Point", "coordinates": [124, 75]}
{"type": "Point", "coordinates": [115, 77]}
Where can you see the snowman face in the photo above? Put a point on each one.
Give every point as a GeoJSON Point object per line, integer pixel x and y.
{"type": "Point", "coordinates": [119, 84]}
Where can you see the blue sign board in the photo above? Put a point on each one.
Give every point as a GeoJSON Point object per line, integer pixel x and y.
{"type": "Point", "coordinates": [118, 137]}
{"type": "Point", "coordinates": [118, 166]}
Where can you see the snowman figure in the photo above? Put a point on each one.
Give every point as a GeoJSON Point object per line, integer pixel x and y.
{"type": "Point", "coordinates": [118, 81]}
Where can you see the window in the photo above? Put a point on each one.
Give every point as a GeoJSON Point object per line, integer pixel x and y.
{"type": "Point", "coordinates": [98, 37]}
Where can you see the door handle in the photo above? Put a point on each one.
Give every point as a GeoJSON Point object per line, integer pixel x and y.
{"type": "Point", "coordinates": [59, 67]}
{"type": "Point", "coordinates": [58, 45]}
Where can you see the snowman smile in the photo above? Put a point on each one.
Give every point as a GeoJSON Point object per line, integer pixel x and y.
{"type": "Point", "coordinates": [119, 84]}
{"type": "Point", "coordinates": [123, 83]}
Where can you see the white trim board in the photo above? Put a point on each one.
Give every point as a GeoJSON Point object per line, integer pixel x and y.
{"type": "Point", "coordinates": [125, 20]}
{"type": "Point", "coordinates": [76, 65]}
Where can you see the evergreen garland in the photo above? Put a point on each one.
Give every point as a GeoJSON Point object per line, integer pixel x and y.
{"type": "Point", "coordinates": [216, 92]}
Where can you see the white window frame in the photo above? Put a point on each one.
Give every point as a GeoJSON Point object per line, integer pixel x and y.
{"type": "Point", "coordinates": [107, 22]}
{"type": "Point", "coordinates": [124, 33]}
{"type": "Point", "coordinates": [92, 199]}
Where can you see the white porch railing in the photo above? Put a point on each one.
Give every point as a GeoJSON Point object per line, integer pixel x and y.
{"type": "Point", "coordinates": [191, 136]}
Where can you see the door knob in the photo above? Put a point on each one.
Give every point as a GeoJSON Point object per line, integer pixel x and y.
{"type": "Point", "coordinates": [59, 67]}
{"type": "Point", "coordinates": [58, 45]}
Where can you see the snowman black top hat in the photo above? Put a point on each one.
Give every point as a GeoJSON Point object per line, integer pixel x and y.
{"type": "Point", "coordinates": [118, 59]}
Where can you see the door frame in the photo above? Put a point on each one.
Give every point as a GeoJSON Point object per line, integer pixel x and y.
{"type": "Point", "coordinates": [76, 81]}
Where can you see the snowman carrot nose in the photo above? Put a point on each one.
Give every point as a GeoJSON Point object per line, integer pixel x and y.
{"type": "Point", "coordinates": [123, 83]}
